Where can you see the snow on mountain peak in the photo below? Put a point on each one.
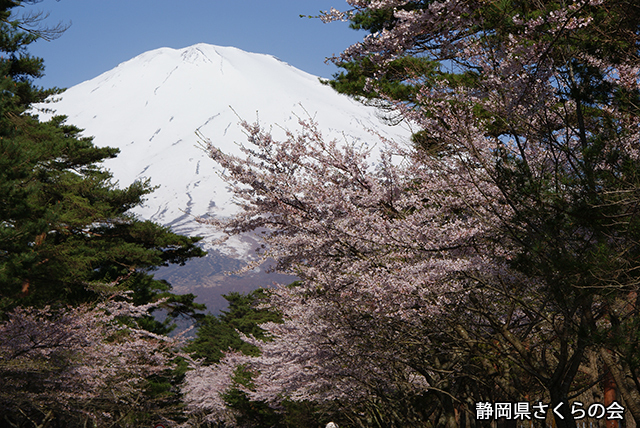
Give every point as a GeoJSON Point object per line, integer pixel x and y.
{"type": "Point", "coordinates": [151, 107]}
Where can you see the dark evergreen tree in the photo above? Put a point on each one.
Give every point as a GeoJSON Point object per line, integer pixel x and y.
{"type": "Point", "coordinates": [65, 228]}
{"type": "Point", "coordinates": [218, 334]}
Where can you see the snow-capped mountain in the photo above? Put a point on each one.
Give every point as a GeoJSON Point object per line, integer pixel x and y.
{"type": "Point", "coordinates": [152, 106]}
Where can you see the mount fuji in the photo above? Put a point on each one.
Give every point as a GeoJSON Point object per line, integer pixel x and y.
{"type": "Point", "coordinates": [153, 108]}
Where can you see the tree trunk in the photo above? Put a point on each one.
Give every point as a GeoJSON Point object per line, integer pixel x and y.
{"type": "Point", "coordinates": [630, 395]}
{"type": "Point", "coordinates": [610, 394]}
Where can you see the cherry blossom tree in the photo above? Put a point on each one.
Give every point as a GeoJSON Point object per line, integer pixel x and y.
{"type": "Point", "coordinates": [374, 292]}
{"type": "Point", "coordinates": [77, 364]}
{"type": "Point", "coordinates": [551, 91]}
{"type": "Point", "coordinates": [204, 390]}
{"type": "Point", "coordinates": [494, 257]}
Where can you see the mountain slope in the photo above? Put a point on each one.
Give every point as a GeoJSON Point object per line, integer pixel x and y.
{"type": "Point", "coordinates": [152, 106]}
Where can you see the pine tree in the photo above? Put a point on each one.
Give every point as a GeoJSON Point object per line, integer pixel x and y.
{"type": "Point", "coordinates": [77, 290]}
{"type": "Point", "coordinates": [64, 225]}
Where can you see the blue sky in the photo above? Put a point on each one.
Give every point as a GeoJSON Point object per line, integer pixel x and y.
{"type": "Point", "coordinates": [104, 33]}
